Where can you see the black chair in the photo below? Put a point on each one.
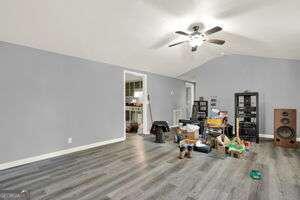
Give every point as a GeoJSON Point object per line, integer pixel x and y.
{"type": "Point", "coordinates": [158, 129]}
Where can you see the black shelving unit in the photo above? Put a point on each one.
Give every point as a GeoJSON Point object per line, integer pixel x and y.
{"type": "Point", "coordinates": [200, 110]}
{"type": "Point", "coordinates": [247, 110]}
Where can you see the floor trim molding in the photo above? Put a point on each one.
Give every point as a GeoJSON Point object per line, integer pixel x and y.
{"type": "Point", "coordinates": [16, 163]}
{"type": "Point", "coordinates": [272, 136]}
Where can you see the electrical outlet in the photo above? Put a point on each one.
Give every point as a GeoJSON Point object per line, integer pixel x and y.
{"type": "Point", "coordinates": [70, 140]}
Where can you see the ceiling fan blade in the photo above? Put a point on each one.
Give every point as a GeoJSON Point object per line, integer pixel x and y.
{"type": "Point", "coordinates": [177, 43]}
{"type": "Point", "coordinates": [216, 41]}
{"type": "Point", "coordinates": [213, 30]}
{"type": "Point", "coordinates": [194, 48]}
{"type": "Point", "coordinates": [182, 33]}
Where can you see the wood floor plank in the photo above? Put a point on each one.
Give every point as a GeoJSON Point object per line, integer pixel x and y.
{"type": "Point", "coordinates": [141, 169]}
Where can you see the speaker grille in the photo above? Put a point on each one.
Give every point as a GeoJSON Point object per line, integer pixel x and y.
{"type": "Point", "coordinates": [285, 121]}
{"type": "Point", "coordinates": [285, 132]}
{"type": "Point", "coordinates": [285, 114]}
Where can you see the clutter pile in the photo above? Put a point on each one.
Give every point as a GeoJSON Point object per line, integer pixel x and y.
{"type": "Point", "coordinates": [216, 134]}
{"type": "Point", "coordinates": [204, 132]}
{"type": "Point", "coordinates": [186, 137]}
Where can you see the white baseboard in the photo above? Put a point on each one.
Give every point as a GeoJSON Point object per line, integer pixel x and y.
{"type": "Point", "coordinates": [272, 136]}
{"type": "Point", "coordinates": [266, 136]}
{"type": "Point", "coordinates": [57, 153]}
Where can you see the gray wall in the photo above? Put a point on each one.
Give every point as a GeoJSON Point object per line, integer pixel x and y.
{"type": "Point", "coordinates": [276, 80]}
{"type": "Point", "coordinates": [165, 96]}
{"type": "Point", "coordinates": [46, 98]}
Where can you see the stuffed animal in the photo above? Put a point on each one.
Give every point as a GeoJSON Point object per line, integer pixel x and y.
{"type": "Point", "coordinates": [185, 148]}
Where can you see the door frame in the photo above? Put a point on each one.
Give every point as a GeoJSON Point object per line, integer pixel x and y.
{"type": "Point", "coordinates": [145, 99]}
{"type": "Point", "coordinates": [192, 86]}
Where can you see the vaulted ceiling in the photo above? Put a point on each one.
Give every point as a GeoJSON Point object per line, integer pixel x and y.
{"type": "Point", "coordinates": [136, 33]}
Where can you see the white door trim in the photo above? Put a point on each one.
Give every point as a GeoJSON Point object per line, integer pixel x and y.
{"type": "Point", "coordinates": [145, 101]}
{"type": "Point", "coordinates": [192, 86]}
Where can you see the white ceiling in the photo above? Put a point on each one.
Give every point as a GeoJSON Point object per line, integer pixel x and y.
{"type": "Point", "coordinates": [135, 33]}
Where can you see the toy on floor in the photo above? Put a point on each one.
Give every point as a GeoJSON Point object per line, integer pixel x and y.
{"type": "Point", "coordinates": [185, 152]}
{"type": "Point", "coordinates": [204, 148]}
{"type": "Point", "coordinates": [222, 140]}
{"type": "Point", "coordinates": [255, 174]}
{"type": "Point", "coordinates": [186, 148]}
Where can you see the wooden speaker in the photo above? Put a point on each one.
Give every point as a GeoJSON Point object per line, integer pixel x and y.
{"type": "Point", "coordinates": [285, 122]}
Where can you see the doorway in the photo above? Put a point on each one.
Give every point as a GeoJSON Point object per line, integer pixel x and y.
{"type": "Point", "coordinates": [189, 98]}
{"type": "Point", "coordinates": [135, 103]}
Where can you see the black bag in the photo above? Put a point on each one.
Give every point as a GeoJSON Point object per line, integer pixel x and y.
{"type": "Point", "coordinates": [159, 125]}
{"type": "Point", "coordinates": [229, 131]}
{"type": "Point", "coordinates": [160, 136]}
{"type": "Point", "coordinates": [158, 128]}
{"type": "Point", "coordinates": [203, 149]}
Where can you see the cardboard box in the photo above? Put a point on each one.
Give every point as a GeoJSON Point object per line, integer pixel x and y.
{"type": "Point", "coordinates": [187, 141]}
{"type": "Point", "coordinates": [190, 135]}
{"type": "Point", "coordinates": [185, 134]}
{"type": "Point", "coordinates": [236, 154]}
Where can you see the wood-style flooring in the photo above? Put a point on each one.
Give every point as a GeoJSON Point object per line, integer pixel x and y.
{"type": "Point", "coordinates": [140, 169]}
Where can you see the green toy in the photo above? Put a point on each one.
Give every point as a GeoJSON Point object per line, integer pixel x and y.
{"type": "Point", "coordinates": [255, 174]}
{"type": "Point", "coordinates": [236, 147]}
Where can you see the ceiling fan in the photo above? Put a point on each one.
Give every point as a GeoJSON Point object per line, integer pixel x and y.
{"type": "Point", "coordinates": [196, 38]}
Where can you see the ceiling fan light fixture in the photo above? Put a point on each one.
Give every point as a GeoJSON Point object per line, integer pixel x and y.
{"type": "Point", "coordinates": [196, 41]}
{"type": "Point", "coordinates": [196, 38]}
